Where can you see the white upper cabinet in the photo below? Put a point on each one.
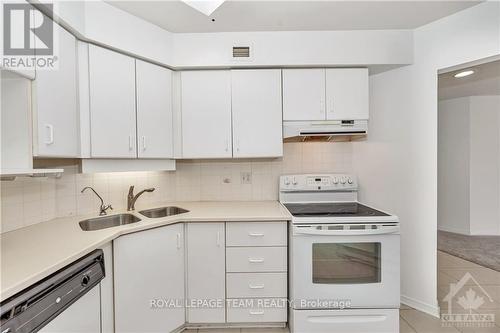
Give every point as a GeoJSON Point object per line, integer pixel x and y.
{"type": "Point", "coordinates": [112, 104]}
{"type": "Point", "coordinates": [304, 94]}
{"type": "Point", "coordinates": [206, 114]}
{"type": "Point", "coordinates": [347, 93]}
{"type": "Point", "coordinates": [154, 111]}
{"type": "Point", "coordinates": [55, 103]}
{"type": "Point", "coordinates": [325, 94]}
{"type": "Point", "coordinates": [149, 265]}
{"type": "Point", "coordinates": [257, 113]}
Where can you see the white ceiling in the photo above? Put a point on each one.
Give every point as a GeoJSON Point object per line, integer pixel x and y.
{"type": "Point", "coordinates": [176, 16]}
{"type": "Point", "coordinates": [485, 81]}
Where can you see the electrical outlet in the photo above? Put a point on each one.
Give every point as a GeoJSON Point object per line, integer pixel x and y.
{"type": "Point", "coordinates": [246, 178]}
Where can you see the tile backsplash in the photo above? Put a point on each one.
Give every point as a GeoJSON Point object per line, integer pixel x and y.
{"type": "Point", "coordinates": [27, 201]}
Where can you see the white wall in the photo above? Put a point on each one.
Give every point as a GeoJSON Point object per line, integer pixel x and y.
{"type": "Point", "coordinates": [453, 165]}
{"type": "Point", "coordinates": [295, 48]}
{"type": "Point", "coordinates": [404, 101]}
{"type": "Point", "coordinates": [484, 165]}
{"type": "Point", "coordinates": [102, 23]}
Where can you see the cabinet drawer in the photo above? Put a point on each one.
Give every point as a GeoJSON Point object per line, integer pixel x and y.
{"type": "Point", "coordinates": [256, 233]}
{"type": "Point", "coordinates": [257, 310]}
{"type": "Point", "coordinates": [256, 259]}
{"type": "Point", "coordinates": [246, 285]}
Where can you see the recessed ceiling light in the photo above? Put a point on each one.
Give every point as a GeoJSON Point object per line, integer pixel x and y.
{"type": "Point", "coordinates": [464, 73]}
{"type": "Point", "coordinates": [206, 7]}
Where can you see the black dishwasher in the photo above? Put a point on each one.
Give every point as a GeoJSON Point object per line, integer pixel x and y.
{"type": "Point", "coordinates": [34, 307]}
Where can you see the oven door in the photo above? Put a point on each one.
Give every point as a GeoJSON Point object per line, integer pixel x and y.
{"type": "Point", "coordinates": [336, 266]}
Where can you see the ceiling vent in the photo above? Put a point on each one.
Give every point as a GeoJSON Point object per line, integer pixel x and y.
{"type": "Point", "coordinates": [241, 52]}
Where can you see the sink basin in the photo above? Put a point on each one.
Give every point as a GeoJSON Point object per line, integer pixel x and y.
{"type": "Point", "coordinates": [108, 222]}
{"type": "Point", "coordinates": [163, 211]}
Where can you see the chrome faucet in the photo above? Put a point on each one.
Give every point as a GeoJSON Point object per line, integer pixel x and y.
{"type": "Point", "coordinates": [103, 208]}
{"type": "Point", "coordinates": [131, 199]}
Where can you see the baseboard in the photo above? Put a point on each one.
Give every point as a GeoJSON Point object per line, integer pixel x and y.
{"type": "Point", "coordinates": [420, 306]}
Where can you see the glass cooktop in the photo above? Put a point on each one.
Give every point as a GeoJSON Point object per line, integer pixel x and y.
{"type": "Point", "coordinates": [344, 209]}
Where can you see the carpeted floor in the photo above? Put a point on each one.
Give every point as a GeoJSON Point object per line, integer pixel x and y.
{"type": "Point", "coordinates": [482, 250]}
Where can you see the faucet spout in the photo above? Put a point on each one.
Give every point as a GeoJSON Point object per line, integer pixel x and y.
{"type": "Point", "coordinates": [131, 198]}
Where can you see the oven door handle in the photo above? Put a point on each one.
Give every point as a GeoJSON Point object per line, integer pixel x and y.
{"type": "Point", "coordinates": [379, 231]}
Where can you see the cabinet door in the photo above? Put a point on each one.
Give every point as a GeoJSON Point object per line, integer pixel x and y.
{"type": "Point", "coordinates": [206, 114]}
{"type": "Point", "coordinates": [154, 111]}
{"type": "Point", "coordinates": [206, 271]}
{"type": "Point", "coordinates": [257, 113]}
{"type": "Point", "coordinates": [112, 104]}
{"type": "Point", "coordinates": [55, 102]}
{"type": "Point", "coordinates": [347, 93]}
{"type": "Point", "coordinates": [304, 94]}
{"type": "Point", "coordinates": [149, 266]}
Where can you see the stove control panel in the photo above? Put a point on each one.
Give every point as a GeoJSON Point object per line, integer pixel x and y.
{"type": "Point", "coordinates": [318, 182]}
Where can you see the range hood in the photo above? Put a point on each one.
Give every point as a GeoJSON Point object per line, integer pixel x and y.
{"type": "Point", "coordinates": [324, 130]}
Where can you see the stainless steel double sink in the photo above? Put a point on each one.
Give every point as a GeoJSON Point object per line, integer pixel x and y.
{"type": "Point", "coordinates": [104, 222]}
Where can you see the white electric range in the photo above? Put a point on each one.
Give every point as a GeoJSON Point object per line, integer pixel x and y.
{"type": "Point", "coordinates": [344, 257]}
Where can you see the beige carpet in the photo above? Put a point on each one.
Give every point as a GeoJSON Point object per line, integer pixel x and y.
{"type": "Point", "coordinates": [482, 250]}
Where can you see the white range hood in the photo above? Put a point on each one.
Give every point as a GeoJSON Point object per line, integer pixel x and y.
{"type": "Point", "coordinates": [323, 130]}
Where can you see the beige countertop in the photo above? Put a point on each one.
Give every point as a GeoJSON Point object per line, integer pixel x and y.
{"type": "Point", "coordinates": [32, 253]}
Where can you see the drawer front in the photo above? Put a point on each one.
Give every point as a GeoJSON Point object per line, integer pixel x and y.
{"type": "Point", "coordinates": [247, 285]}
{"type": "Point", "coordinates": [256, 234]}
{"type": "Point", "coordinates": [255, 259]}
{"type": "Point", "coordinates": [257, 310]}
{"type": "Point", "coordinates": [351, 320]}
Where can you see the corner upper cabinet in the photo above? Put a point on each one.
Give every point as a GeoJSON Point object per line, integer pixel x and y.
{"type": "Point", "coordinates": [256, 113]}
{"type": "Point", "coordinates": [112, 104]}
{"type": "Point", "coordinates": [304, 94]}
{"type": "Point", "coordinates": [55, 103]}
{"type": "Point", "coordinates": [206, 114]}
{"type": "Point", "coordinates": [154, 111]}
{"type": "Point", "coordinates": [347, 93]}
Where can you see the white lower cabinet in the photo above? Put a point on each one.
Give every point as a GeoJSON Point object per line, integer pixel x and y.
{"type": "Point", "coordinates": [148, 279]}
{"type": "Point", "coordinates": [206, 273]}
{"type": "Point", "coordinates": [256, 272]}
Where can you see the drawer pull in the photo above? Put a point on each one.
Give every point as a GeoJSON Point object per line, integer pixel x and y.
{"type": "Point", "coordinates": [255, 260]}
{"type": "Point", "coordinates": [252, 234]}
{"type": "Point", "coordinates": [256, 313]}
{"type": "Point", "coordinates": [259, 286]}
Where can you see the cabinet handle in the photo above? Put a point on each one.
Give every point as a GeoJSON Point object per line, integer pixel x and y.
{"type": "Point", "coordinates": [218, 238]}
{"type": "Point", "coordinates": [130, 144]}
{"type": "Point", "coordinates": [331, 110]}
{"type": "Point", "coordinates": [50, 139]}
{"type": "Point", "coordinates": [143, 142]}
{"type": "Point", "coordinates": [321, 106]}
{"type": "Point", "coordinates": [227, 145]}
{"type": "Point", "coordinates": [252, 234]}
{"type": "Point", "coordinates": [260, 286]}
{"type": "Point", "coordinates": [255, 260]}
{"type": "Point", "coordinates": [178, 240]}
{"type": "Point", "coordinates": [237, 145]}
{"type": "Point", "coordinates": [256, 313]}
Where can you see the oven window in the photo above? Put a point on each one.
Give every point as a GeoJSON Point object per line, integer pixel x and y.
{"type": "Point", "coordinates": [342, 263]}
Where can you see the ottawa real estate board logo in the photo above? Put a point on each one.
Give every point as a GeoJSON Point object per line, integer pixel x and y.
{"type": "Point", "coordinates": [467, 304]}
{"type": "Point", "coordinates": [28, 38]}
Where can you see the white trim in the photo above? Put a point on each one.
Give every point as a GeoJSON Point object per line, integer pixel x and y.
{"type": "Point", "coordinates": [421, 306]}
